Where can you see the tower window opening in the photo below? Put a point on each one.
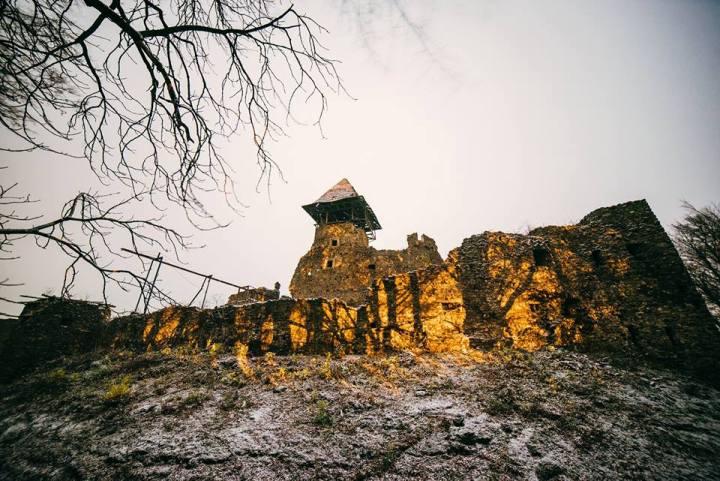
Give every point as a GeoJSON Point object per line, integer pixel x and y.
{"type": "Point", "coordinates": [329, 264]}
{"type": "Point", "coordinates": [597, 258]}
{"type": "Point", "coordinates": [634, 248]}
{"type": "Point", "coordinates": [541, 256]}
{"type": "Point", "coordinates": [334, 242]}
{"type": "Point", "coordinates": [569, 307]}
{"type": "Point", "coordinates": [371, 267]}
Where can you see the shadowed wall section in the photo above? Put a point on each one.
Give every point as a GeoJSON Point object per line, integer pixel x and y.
{"type": "Point", "coordinates": [418, 309]}
{"type": "Point", "coordinates": [48, 328]}
{"type": "Point", "coordinates": [612, 282]}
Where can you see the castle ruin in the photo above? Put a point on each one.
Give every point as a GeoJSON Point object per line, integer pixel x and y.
{"type": "Point", "coordinates": [341, 264]}
{"type": "Point", "coordinates": [612, 283]}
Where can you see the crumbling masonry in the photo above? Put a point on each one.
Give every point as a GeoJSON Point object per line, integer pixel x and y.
{"type": "Point", "coordinates": [612, 283]}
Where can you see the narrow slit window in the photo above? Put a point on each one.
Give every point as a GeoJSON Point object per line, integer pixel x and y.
{"type": "Point", "coordinates": [569, 307]}
{"type": "Point", "coordinates": [541, 256]}
{"type": "Point", "coordinates": [329, 264]}
{"type": "Point", "coordinates": [635, 249]}
{"type": "Point", "coordinates": [597, 258]}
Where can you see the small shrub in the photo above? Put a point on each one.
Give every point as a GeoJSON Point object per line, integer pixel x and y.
{"type": "Point", "coordinates": [279, 376]}
{"type": "Point", "coordinates": [326, 368]}
{"type": "Point", "coordinates": [270, 359]}
{"type": "Point", "coordinates": [499, 405]}
{"type": "Point", "coordinates": [302, 374]}
{"type": "Point", "coordinates": [322, 416]}
{"type": "Point", "coordinates": [214, 349]}
{"type": "Point", "coordinates": [232, 400]}
{"type": "Point", "coordinates": [57, 375]}
{"type": "Point", "coordinates": [195, 398]}
{"type": "Point", "coordinates": [531, 409]}
{"type": "Point", "coordinates": [235, 378]}
{"type": "Point", "coordinates": [228, 400]}
{"type": "Point", "coordinates": [552, 383]}
{"type": "Point", "coordinates": [389, 458]}
{"type": "Point", "coordinates": [118, 389]}
{"type": "Point", "coordinates": [54, 380]}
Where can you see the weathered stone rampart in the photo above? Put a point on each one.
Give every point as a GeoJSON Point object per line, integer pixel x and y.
{"type": "Point", "coordinates": [613, 282]}
{"type": "Point", "coordinates": [342, 265]}
{"type": "Point", "coordinates": [48, 328]}
{"type": "Point", "coordinates": [255, 294]}
{"type": "Point", "coordinates": [417, 309]}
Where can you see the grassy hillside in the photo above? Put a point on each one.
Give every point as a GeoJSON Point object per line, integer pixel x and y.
{"type": "Point", "coordinates": [170, 415]}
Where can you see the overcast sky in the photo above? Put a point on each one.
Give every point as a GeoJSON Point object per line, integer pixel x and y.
{"type": "Point", "coordinates": [496, 116]}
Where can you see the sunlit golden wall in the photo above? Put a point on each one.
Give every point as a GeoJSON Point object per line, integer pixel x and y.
{"type": "Point", "coordinates": [419, 309]}
{"type": "Point", "coordinates": [612, 282]}
{"type": "Point", "coordinates": [342, 265]}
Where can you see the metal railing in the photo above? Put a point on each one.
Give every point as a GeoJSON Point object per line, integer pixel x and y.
{"type": "Point", "coordinates": [146, 289]}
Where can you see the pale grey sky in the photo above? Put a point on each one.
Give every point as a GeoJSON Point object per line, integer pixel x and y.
{"type": "Point", "coordinates": [503, 114]}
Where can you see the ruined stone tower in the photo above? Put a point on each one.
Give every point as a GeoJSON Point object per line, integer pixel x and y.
{"type": "Point", "coordinates": [341, 263]}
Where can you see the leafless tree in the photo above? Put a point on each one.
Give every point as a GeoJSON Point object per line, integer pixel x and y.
{"type": "Point", "coordinates": [132, 82]}
{"type": "Point", "coordinates": [83, 231]}
{"type": "Point", "coordinates": [697, 237]}
{"type": "Point", "coordinates": [146, 91]}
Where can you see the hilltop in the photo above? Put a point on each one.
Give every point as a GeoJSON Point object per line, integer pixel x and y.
{"type": "Point", "coordinates": [553, 414]}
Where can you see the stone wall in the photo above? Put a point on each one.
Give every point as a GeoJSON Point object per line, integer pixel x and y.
{"type": "Point", "coordinates": [613, 282]}
{"type": "Point", "coordinates": [421, 309]}
{"type": "Point", "coordinates": [48, 328]}
{"type": "Point", "coordinates": [256, 294]}
{"type": "Point", "coordinates": [342, 265]}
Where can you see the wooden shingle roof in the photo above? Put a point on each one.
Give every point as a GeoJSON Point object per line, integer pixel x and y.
{"type": "Point", "coordinates": [342, 203]}
{"type": "Point", "coordinates": [341, 190]}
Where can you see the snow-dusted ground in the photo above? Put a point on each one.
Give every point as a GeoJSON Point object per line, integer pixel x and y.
{"type": "Point", "coordinates": [547, 415]}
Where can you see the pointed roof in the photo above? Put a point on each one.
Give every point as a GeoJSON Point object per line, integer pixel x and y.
{"type": "Point", "coordinates": [342, 203]}
{"type": "Point", "coordinates": [341, 190]}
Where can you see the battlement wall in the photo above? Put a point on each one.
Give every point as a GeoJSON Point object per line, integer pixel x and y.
{"type": "Point", "coordinates": [420, 309]}
{"type": "Point", "coordinates": [612, 282]}
{"type": "Point", "coordinates": [342, 265]}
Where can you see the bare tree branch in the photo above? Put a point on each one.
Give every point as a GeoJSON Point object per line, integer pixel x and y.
{"type": "Point", "coordinates": [132, 81]}
{"type": "Point", "coordinates": [132, 86]}
{"type": "Point", "coordinates": [697, 238]}
{"type": "Point", "coordinates": [83, 232]}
